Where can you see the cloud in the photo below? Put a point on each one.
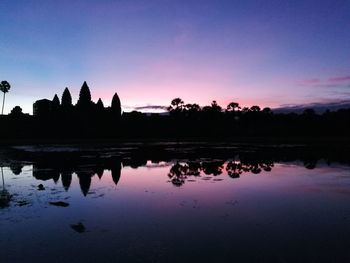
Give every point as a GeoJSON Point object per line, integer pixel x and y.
{"type": "Point", "coordinates": [151, 107]}
{"type": "Point", "coordinates": [320, 106]}
{"type": "Point", "coordinates": [331, 82]}
{"type": "Point", "coordinates": [146, 108]}
{"type": "Point", "coordinates": [342, 93]}
{"type": "Point", "coordinates": [309, 82]}
{"type": "Point", "coordinates": [339, 79]}
{"type": "Point", "coordinates": [325, 85]}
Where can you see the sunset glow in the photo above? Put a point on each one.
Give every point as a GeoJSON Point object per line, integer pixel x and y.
{"type": "Point", "coordinates": [256, 53]}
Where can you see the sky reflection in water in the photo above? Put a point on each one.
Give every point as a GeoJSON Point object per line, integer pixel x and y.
{"type": "Point", "coordinates": [286, 213]}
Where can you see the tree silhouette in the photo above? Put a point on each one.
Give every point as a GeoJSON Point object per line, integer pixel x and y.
{"type": "Point", "coordinates": [16, 111]}
{"type": "Point", "coordinates": [213, 167]}
{"type": "Point", "coordinates": [66, 99]}
{"type": "Point", "coordinates": [16, 168]}
{"type": "Point", "coordinates": [4, 87]}
{"type": "Point", "coordinates": [192, 109]}
{"type": "Point", "coordinates": [177, 105]}
{"type": "Point", "coordinates": [215, 106]}
{"type": "Point", "coordinates": [267, 110]}
{"type": "Point", "coordinates": [51, 119]}
{"type": "Point", "coordinates": [4, 194]}
{"type": "Point", "coordinates": [233, 106]}
{"type": "Point", "coordinates": [309, 112]}
{"type": "Point", "coordinates": [234, 169]}
{"type": "Point", "coordinates": [177, 174]}
{"type": "Point", "coordinates": [255, 108]}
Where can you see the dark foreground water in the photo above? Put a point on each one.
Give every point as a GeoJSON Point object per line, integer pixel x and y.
{"type": "Point", "coordinates": [116, 205]}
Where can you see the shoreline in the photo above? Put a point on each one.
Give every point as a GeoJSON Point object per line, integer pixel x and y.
{"type": "Point", "coordinates": [331, 141]}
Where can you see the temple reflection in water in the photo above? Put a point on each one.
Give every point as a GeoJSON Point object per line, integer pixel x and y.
{"type": "Point", "coordinates": [84, 174]}
{"type": "Point", "coordinates": [155, 198]}
{"type": "Point", "coordinates": [179, 171]}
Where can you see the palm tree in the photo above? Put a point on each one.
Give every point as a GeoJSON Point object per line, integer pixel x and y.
{"type": "Point", "coordinates": [4, 87]}
{"type": "Point", "coordinates": [255, 108]}
{"type": "Point", "coordinates": [233, 106]}
{"type": "Point", "coordinates": [177, 105]}
{"type": "Point", "coordinates": [215, 107]}
{"type": "Point", "coordinates": [2, 175]}
{"type": "Point", "coordinates": [4, 194]}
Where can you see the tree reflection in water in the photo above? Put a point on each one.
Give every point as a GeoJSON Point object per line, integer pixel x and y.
{"type": "Point", "coordinates": [177, 174]}
{"type": "Point", "coordinates": [180, 171]}
{"type": "Point", "coordinates": [4, 194]}
{"type": "Point", "coordinates": [57, 169]}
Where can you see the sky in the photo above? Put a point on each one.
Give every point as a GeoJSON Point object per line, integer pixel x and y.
{"type": "Point", "coordinates": [266, 53]}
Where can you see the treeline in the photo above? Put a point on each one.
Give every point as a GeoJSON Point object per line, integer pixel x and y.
{"type": "Point", "coordinates": [191, 120]}
{"type": "Point", "coordinates": [55, 119]}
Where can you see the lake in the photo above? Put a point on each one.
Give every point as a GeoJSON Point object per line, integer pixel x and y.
{"type": "Point", "coordinates": [172, 202]}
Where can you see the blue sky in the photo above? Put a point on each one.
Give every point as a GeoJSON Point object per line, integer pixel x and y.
{"type": "Point", "coordinates": [268, 53]}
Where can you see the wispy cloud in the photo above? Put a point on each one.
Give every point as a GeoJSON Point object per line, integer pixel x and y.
{"type": "Point", "coordinates": [319, 106]}
{"type": "Point", "coordinates": [145, 108]}
{"type": "Point", "coordinates": [328, 85]}
{"type": "Point", "coordinates": [307, 82]}
{"type": "Point", "coordinates": [331, 82]}
{"type": "Point", "coordinates": [339, 79]}
{"type": "Point", "coordinates": [151, 107]}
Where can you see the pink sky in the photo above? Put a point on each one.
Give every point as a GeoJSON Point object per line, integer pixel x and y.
{"type": "Point", "coordinates": [151, 52]}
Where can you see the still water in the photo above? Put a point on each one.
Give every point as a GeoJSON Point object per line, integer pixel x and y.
{"type": "Point", "coordinates": [208, 209]}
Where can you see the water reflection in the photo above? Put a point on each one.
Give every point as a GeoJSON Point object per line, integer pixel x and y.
{"type": "Point", "coordinates": [179, 171]}
{"type": "Point", "coordinates": [4, 194]}
{"type": "Point", "coordinates": [233, 202]}
{"type": "Point", "coordinates": [63, 165]}
{"type": "Point", "coordinates": [44, 171]}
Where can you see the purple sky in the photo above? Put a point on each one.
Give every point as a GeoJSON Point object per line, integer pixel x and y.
{"type": "Point", "coordinates": [268, 53]}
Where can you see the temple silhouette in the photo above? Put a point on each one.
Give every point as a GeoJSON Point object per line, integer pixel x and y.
{"type": "Point", "coordinates": [45, 108]}
{"type": "Point", "coordinates": [62, 119]}
{"type": "Point", "coordinates": [58, 119]}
